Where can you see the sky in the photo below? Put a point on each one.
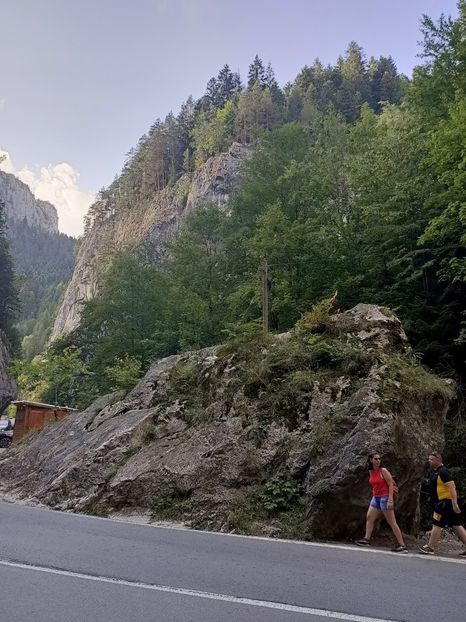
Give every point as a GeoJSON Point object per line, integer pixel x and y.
{"type": "Point", "coordinates": [82, 80]}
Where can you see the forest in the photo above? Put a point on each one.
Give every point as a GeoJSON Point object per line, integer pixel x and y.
{"type": "Point", "coordinates": [356, 185]}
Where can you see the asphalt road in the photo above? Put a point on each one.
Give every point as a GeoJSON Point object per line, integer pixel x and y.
{"type": "Point", "coordinates": [60, 567]}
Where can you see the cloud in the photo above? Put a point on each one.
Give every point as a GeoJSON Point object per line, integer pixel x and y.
{"type": "Point", "coordinates": [58, 184]}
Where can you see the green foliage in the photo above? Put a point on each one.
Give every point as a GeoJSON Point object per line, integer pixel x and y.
{"type": "Point", "coordinates": [324, 433]}
{"type": "Point", "coordinates": [54, 378]}
{"type": "Point", "coordinates": [257, 113]}
{"type": "Point", "coordinates": [43, 263]}
{"type": "Point", "coordinates": [213, 133]}
{"type": "Point", "coordinates": [279, 494]}
{"type": "Point", "coordinates": [186, 382]}
{"type": "Point", "coordinates": [125, 373]}
{"type": "Point", "coordinates": [281, 374]}
{"type": "Point", "coordinates": [9, 303]}
{"type": "Point", "coordinates": [315, 320]}
{"type": "Point", "coordinates": [242, 338]}
{"type": "Point", "coordinates": [126, 319]}
{"type": "Point", "coordinates": [37, 330]}
{"type": "Point", "coordinates": [248, 514]}
{"type": "Point", "coordinates": [406, 378]}
{"type": "Point", "coordinates": [197, 287]}
{"type": "Point", "coordinates": [171, 507]}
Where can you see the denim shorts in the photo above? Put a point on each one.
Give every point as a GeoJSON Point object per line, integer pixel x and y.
{"type": "Point", "coordinates": [379, 503]}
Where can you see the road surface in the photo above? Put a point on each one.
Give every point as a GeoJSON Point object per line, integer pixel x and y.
{"type": "Point", "coordinates": [61, 567]}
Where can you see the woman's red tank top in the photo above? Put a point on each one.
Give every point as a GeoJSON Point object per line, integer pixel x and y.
{"type": "Point", "coordinates": [379, 485]}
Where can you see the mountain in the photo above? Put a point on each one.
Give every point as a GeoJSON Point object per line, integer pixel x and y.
{"type": "Point", "coordinates": [43, 259]}
{"type": "Point", "coordinates": [153, 221]}
{"type": "Point", "coordinates": [21, 205]}
{"type": "Point", "coordinates": [194, 158]}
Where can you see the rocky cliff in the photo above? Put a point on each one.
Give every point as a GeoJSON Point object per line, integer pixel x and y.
{"type": "Point", "coordinates": [154, 221]}
{"type": "Point", "coordinates": [22, 205]}
{"type": "Point", "coordinates": [7, 384]}
{"type": "Point", "coordinates": [265, 435]}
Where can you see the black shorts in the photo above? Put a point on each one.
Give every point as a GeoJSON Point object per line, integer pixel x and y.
{"type": "Point", "coordinates": [445, 516]}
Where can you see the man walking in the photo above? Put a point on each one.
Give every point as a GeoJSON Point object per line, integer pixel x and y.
{"type": "Point", "coordinates": [444, 500]}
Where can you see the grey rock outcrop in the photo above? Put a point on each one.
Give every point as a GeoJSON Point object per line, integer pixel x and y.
{"type": "Point", "coordinates": [7, 384]}
{"type": "Point", "coordinates": [153, 222]}
{"type": "Point", "coordinates": [22, 205]}
{"type": "Point", "coordinates": [269, 439]}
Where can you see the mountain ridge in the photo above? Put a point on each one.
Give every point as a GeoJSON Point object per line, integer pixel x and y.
{"type": "Point", "coordinates": [21, 204]}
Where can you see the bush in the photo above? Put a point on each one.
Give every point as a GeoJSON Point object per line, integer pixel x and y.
{"type": "Point", "coordinates": [125, 373]}
{"type": "Point", "coordinates": [315, 320]}
{"type": "Point", "coordinates": [280, 494]}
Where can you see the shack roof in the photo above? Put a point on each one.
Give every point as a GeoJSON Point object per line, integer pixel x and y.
{"type": "Point", "coordinates": [40, 405]}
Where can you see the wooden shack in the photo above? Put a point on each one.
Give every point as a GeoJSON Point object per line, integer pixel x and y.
{"type": "Point", "coordinates": [34, 416]}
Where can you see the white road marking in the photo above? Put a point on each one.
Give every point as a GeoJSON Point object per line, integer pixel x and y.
{"type": "Point", "coordinates": [324, 613]}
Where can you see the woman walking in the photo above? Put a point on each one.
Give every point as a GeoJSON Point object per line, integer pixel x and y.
{"type": "Point", "coordinates": [381, 503]}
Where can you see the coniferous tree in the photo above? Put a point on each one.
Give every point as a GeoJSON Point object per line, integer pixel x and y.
{"type": "Point", "coordinates": [212, 94]}
{"type": "Point", "coordinates": [9, 303]}
{"type": "Point", "coordinates": [355, 88]}
{"type": "Point", "coordinates": [228, 85]}
{"type": "Point", "coordinates": [220, 89]}
{"type": "Point", "coordinates": [271, 83]}
{"type": "Point", "coordinates": [256, 73]}
{"type": "Point", "coordinates": [384, 82]}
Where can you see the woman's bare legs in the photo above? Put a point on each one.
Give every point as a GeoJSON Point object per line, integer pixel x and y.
{"type": "Point", "coordinates": [391, 520]}
{"type": "Point", "coordinates": [373, 514]}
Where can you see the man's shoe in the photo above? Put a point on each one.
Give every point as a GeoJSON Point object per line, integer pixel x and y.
{"type": "Point", "coordinates": [362, 542]}
{"type": "Point", "coordinates": [400, 548]}
{"type": "Point", "coordinates": [427, 550]}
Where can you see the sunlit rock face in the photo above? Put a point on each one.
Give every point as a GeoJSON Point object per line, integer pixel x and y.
{"type": "Point", "coordinates": [271, 438]}
{"type": "Point", "coordinates": [21, 205]}
{"type": "Point", "coordinates": [154, 221]}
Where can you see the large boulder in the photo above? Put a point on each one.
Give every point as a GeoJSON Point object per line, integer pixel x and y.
{"type": "Point", "coordinates": [266, 435]}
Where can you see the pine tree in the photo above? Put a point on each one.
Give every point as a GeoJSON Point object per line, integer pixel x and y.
{"type": "Point", "coordinates": [228, 85]}
{"type": "Point", "coordinates": [384, 82]}
{"type": "Point", "coordinates": [212, 93]}
{"type": "Point", "coordinates": [271, 83]}
{"type": "Point", "coordinates": [9, 304]}
{"type": "Point", "coordinates": [355, 87]}
{"type": "Point", "coordinates": [256, 73]}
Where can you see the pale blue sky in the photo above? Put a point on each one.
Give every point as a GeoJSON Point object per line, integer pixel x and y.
{"type": "Point", "coordinates": [82, 80]}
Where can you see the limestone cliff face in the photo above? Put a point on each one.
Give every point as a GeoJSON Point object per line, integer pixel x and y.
{"type": "Point", "coordinates": [267, 437]}
{"type": "Point", "coordinates": [155, 221]}
{"type": "Point", "coordinates": [7, 384]}
{"type": "Point", "coordinates": [22, 205]}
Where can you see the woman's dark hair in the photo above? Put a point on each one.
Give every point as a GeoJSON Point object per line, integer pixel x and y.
{"type": "Point", "coordinates": [369, 464]}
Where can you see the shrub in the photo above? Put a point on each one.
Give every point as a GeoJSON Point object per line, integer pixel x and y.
{"type": "Point", "coordinates": [279, 494]}
{"type": "Point", "coordinates": [315, 320]}
{"type": "Point", "coordinates": [407, 377]}
{"type": "Point", "coordinates": [124, 373]}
